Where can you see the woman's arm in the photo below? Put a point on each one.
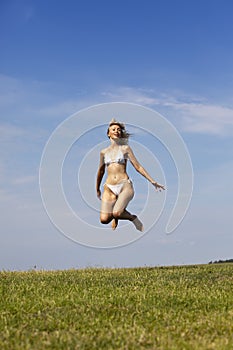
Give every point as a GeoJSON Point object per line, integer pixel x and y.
{"type": "Point", "coordinates": [100, 174]}
{"type": "Point", "coordinates": [139, 168]}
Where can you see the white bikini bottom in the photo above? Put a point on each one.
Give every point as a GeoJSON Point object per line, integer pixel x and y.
{"type": "Point", "coordinates": [116, 189]}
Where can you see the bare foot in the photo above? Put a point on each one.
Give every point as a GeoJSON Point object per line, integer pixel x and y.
{"type": "Point", "coordinates": [138, 224]}
{"type": "Point", "coordinates": [114, 223]}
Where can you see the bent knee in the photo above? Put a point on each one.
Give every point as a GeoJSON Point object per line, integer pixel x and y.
{"type": "Point", "coordinates": [105, 219]}
{"type": "Point", "coordinates": [117, 213]}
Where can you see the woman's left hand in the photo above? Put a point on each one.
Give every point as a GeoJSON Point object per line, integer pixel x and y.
{"type": "Point", "coordinates": [158, 186]}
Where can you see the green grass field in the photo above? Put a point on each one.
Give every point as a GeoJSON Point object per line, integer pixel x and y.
{"type": "Point", "coordinates": [188, 307]}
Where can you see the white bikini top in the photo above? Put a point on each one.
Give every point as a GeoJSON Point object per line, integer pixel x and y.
{"type": "Point", "coordinates": [119, 158]}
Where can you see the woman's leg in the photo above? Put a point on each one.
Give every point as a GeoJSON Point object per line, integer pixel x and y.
{"type": "Point", "coordinates": [107, 203]}
{"type": "Point", "coordinates": [119, 209]}
{"type": "Point", "coordinates": [123, 199]}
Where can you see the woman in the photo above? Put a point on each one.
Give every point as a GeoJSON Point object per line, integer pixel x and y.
{"type": "Point", "coordinates": [118, 188]}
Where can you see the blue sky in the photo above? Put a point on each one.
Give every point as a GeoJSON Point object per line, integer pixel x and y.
{"type": "Point", "coordinates": [58, 57]}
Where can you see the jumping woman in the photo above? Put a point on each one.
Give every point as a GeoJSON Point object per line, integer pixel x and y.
{"type": "Point", "coordinates": [118, 188]}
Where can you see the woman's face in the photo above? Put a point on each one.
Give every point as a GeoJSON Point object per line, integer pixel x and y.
{"type": "Point", "coordinates": [114, 131]}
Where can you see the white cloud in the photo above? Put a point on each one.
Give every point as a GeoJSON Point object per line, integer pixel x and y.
{"type": "Point", "coordinates": [9, 131]}
{"type": "Point", "coordinates": [205, 118]}
{"type": "Point", "coordinates": [129, 94]}
{"type": "Point", "coordinates": [40, 101]}
{"type": "Point", "coordinates": [197, 115]}
{"type": "Point", "coordinates": [23, 180]}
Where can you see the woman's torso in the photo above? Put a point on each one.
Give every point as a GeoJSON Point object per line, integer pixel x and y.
{"type": "Point", "coordinates": [116, 161]}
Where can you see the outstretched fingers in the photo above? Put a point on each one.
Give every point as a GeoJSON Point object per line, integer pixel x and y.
{"type": "Point", "coordinates": [158, 186]}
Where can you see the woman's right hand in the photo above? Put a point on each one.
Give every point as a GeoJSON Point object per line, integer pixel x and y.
{"type": "Point", "coordinates": [99, 194]}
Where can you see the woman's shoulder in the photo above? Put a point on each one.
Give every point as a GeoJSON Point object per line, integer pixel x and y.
{"type": "Point", "coordinates": [104, 150]}
{"type": "Point", "coordinates": [125, 148]}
